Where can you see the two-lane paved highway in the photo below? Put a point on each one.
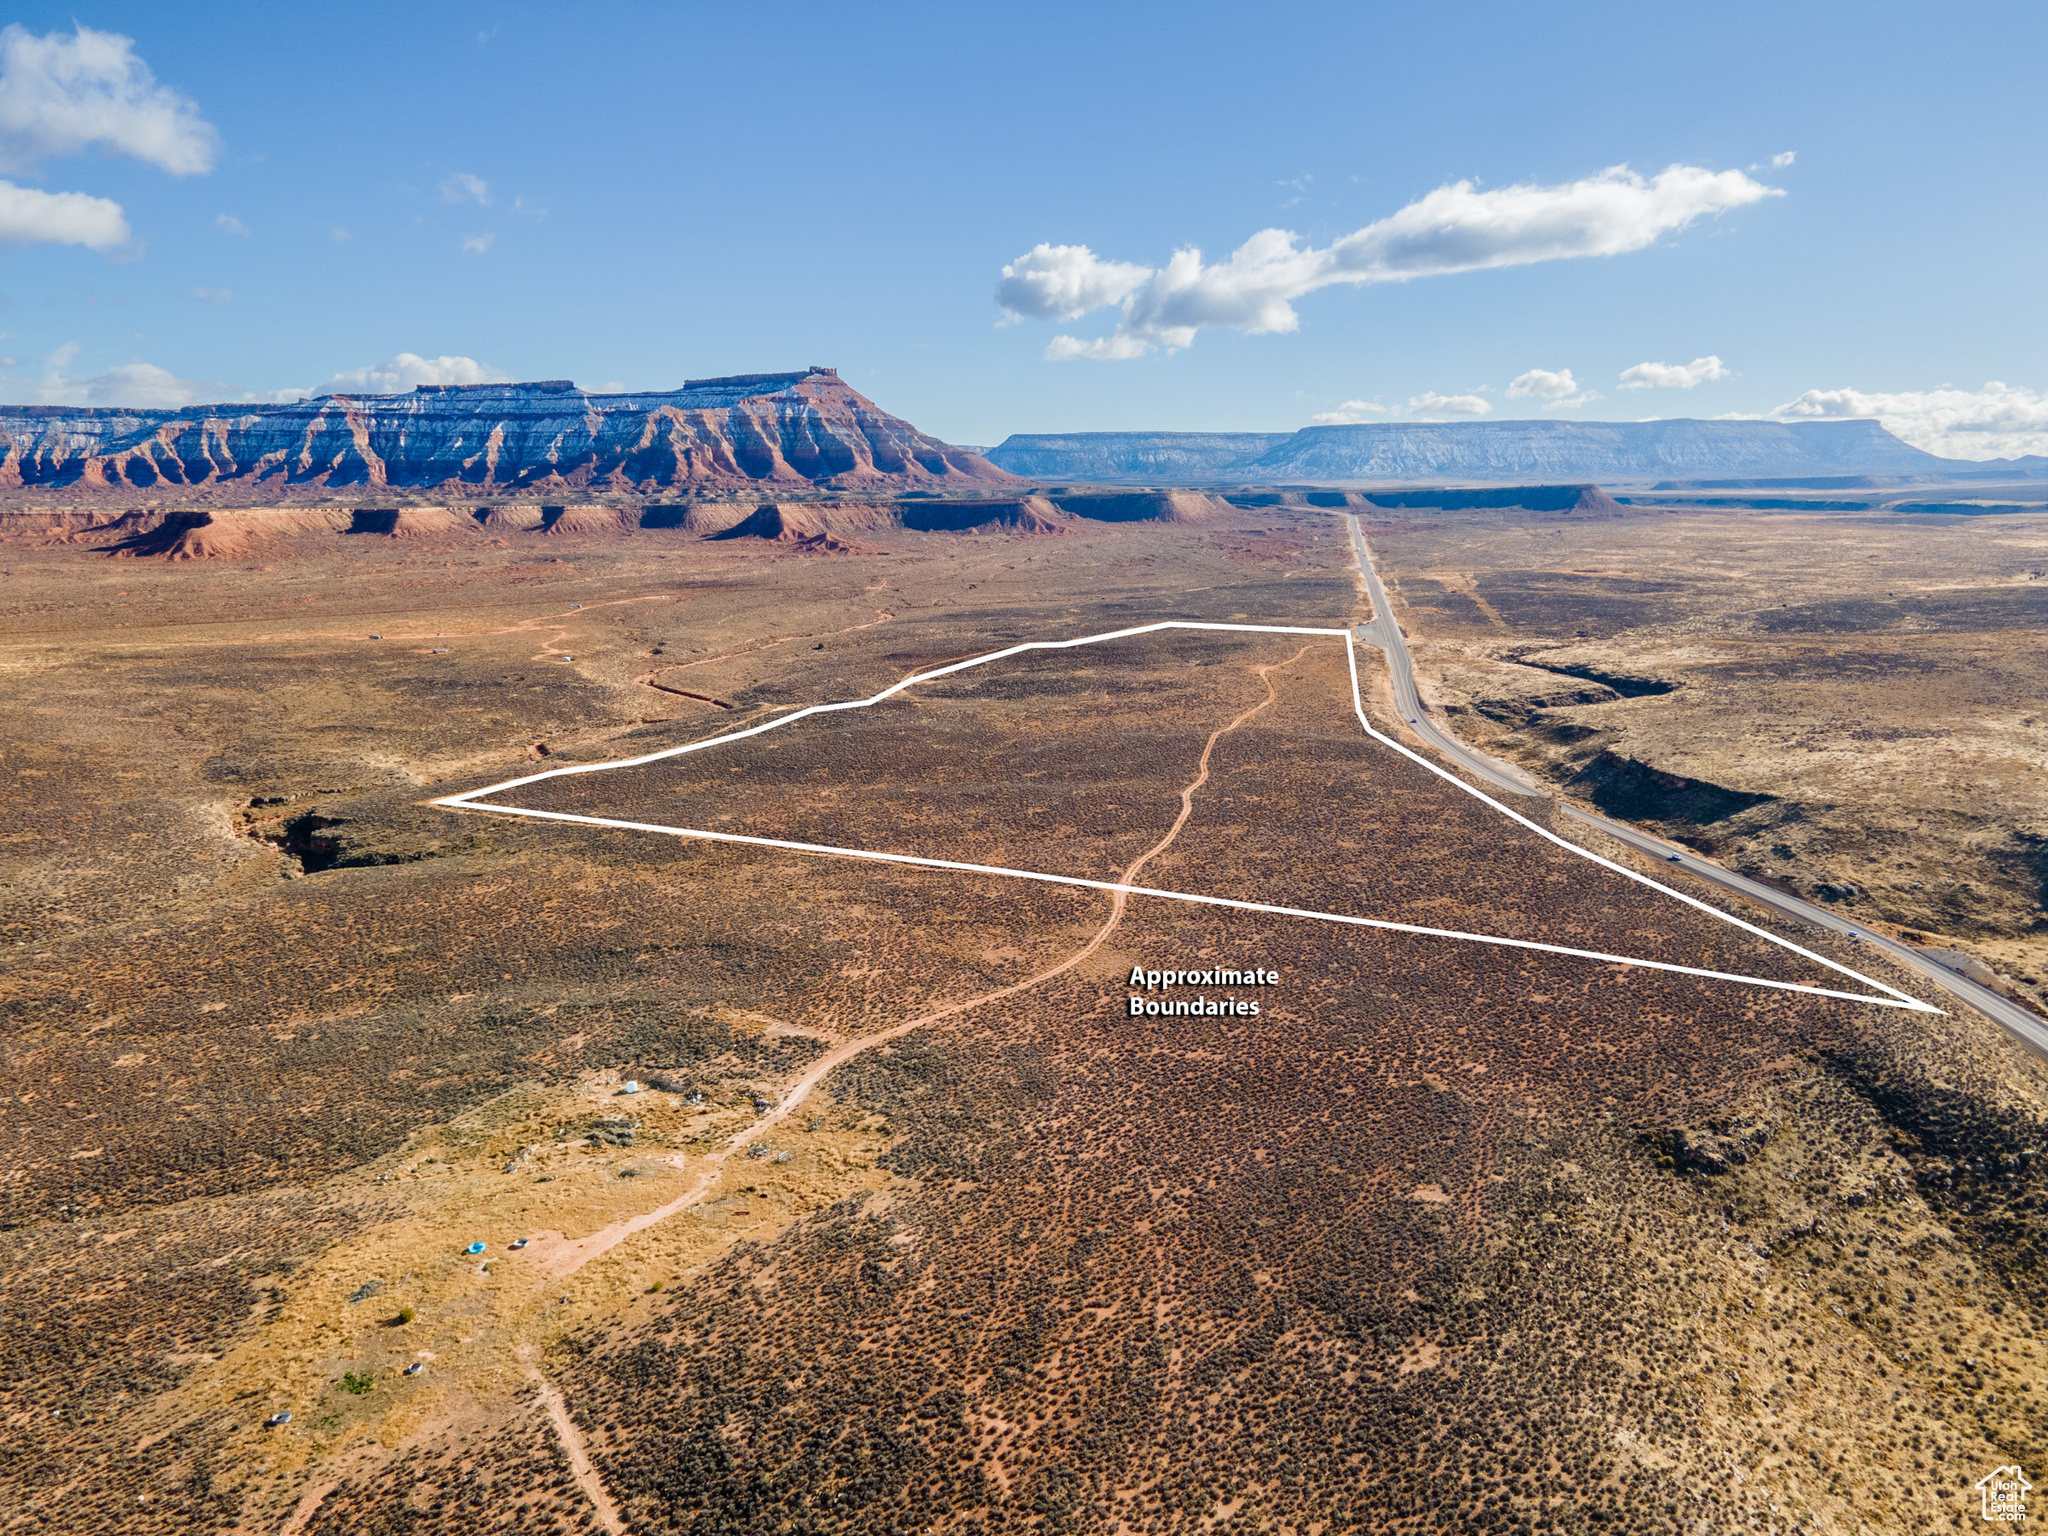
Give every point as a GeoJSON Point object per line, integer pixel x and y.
{"type": "Point", "coordinates": [1385, 633]}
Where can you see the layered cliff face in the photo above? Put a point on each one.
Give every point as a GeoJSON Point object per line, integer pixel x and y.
{"type": "Point", "coordinates": [791, 429]}
{"type": "Point", "coordinates": [1161, 458]}
{"type": "Point", "coordinates": [1588, 450]}
{"type": "Point", "coordinates": [1481, 451]}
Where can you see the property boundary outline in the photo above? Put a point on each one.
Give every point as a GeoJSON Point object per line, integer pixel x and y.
{"type": "Point", "coordinates": [469, 800]}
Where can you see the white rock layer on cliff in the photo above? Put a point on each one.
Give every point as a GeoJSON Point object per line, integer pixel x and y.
{"type": "Point", "coordinates": [788, 429]}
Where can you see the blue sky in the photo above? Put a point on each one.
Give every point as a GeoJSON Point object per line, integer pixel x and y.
{"type": "Point", "coordinates": [631, 195]}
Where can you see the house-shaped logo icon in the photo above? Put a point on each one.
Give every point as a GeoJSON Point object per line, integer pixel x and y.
{"type": "Point", "coordinates": [2005, 1495]}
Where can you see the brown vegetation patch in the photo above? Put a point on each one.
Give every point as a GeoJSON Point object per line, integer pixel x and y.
{"type": "Point", "coordinates": [1030, 1267]}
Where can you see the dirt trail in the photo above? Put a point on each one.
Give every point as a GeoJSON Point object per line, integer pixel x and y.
{"type": "Point", "coordinates": [554, 1258]}
{"type": "Point", "coordinates": [548, 647]}
{"type": "Point", "coordinates": [579, 1457]}
{"type": "Point", "coordinates": [561, 1258]}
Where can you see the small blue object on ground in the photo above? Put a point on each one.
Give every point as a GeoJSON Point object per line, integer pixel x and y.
{"type": "Point", "coordinates": [475, 1248]}
{"type": "Point", "coordinates": [414, 1369]}
{"type": "Point", "coordinates": [277, 1419]}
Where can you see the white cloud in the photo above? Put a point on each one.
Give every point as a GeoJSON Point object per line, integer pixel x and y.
{"type": "Point", "coordinates": [1060, 282]}
{"type": "Point", "coordinates": [1350, 413]}
{"type": "Point", "coordinates": [402, 372]}
{"type": "Point", "coordinates": [1779, 162]}
{"type": "Point", "coordinates": [1543, 384]}
{"type": "Point", "coordinates": [143, 386]}
{"type": "Point", "coordinates": [227, 223]}
{"type": "Point", "coordinates": [465, 188]}
{"type": "Point", "coordinates": [1557, 389]}
{"type": "Point", "coordinates": [60, 94]}
{"type": "Point", "coordinates": [1674, 375]}
{"type": "Point", "coordinates": [30, 216]}
{"type": "Point", "coordinates": [1065, 349]}
{"type": "Point", "coordinates": [1456, 228]}
{"type": "Point", "coordinates": [1430, 405]}
{"type": "Point", "coordinates": [138, 386]}
{"type": "Point", "coordinates": [476, 245]}
{"type": "Point", "coordinates": [214, 296]}
{"type": "Point", "coordinates": [1997, 421]}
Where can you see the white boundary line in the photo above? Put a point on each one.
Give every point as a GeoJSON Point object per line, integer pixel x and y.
{"type": "Point", "coordinates": [468, 801]}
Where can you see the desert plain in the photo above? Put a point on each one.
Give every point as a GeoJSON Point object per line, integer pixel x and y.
{"type": "Point", "coordinates": [906, 1223]}
{"type": "Point", "coordinates": [1849, 707]}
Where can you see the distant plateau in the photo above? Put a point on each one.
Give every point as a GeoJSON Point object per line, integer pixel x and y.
{"type": "Point", "coordinates": [809, 433]}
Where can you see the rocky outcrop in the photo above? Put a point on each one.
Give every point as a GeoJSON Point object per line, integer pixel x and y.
{"type": "Point", "coordinates": [1966, 508]}
{"type": "Point", "coordinates": [800, 522]}
{"type": "Point", "coordinates": [410, 522]}
{"type": "Point", "coordinates": [1485, 451]}
{"type": "Point", "coordinates": [1588, 500]}
{"type": "Point", "coordinates": [1334, 501]}
{"type": "Point", "coordinates": [1144, 507]}
{"type": "Point", "coordinates": [1027, 514]}
{"type": "Point", "coordinates": [231, 535]}
{"type": "Point", "coordinates": [808, 523]}
{"type": "Point", "coordinates": [828, 524]}
{"type": "Point", "coordinates": [793, 429]}
{"type": "Point", "coordinates": [558, 522]}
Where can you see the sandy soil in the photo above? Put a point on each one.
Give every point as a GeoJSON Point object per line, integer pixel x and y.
{"type": "Point", "coordinates": [1517, 1239]}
